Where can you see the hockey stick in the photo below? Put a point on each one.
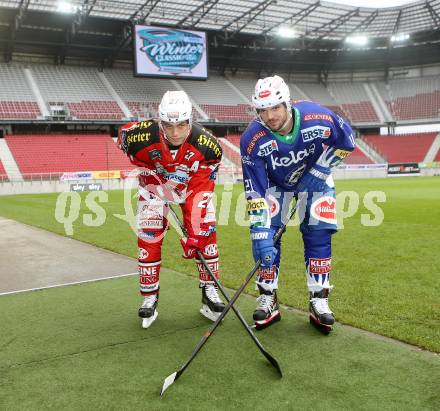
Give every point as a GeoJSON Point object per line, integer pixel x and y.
{"type": "Point", "coordinates": [175, 375]}
{"type": "Point", "coordinates": [272, 360]}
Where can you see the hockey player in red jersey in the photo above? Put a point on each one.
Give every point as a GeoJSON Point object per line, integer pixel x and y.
{"type": "Point", "coordinates": [178, 162]}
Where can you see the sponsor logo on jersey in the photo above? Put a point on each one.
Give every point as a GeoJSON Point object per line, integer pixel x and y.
{"type": "Point", "coordinates": [247, 160]}
{"type": "Point", "coordinates": [146, 235]}
{"type": "Point", "coordinates": [338, 157]}
{"type": "Point", "coordinates": [324, 209]}
{"type": "Point", "coordinates": [264, 93]}
{"type": "Point", "coordinates": [293, 158]}
{"type": "Point", "coordinates": [256, 204]}
{"type": "Point", "coordinates": [206, 141]}
{"type": "Point", "coordinates": [149, 273]}
{"type": "Point", "coordinates": [267, 148]}
{"type": "Point", "coordinates": [254, 140]}
{"type": "Point", "coordinates": [274, 205]}
{"type": "Point", "coordinates": [318, 116]}
{"type": "Point", "coordinates": [211, 250]}
{"type": "Point", "coordinates": [320, 265]}
{"type": "Point", "coordinates": [267, 273]}
{"type": "Point", "coordinates": [203, 273]}
{"type": "Point", "coordinates": [137, 138]}
{"type": "Point", "coordinates": [310, 133]}
{"type": "Point", "coordinates": [293, 177]}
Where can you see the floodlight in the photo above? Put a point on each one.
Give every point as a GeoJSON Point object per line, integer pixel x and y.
{"type": "Point", "coordinates": [65, 7]}
{"type": "Point", "coordinates": [288, 32]}
{"type": "Point", "coordinates": [357, 40]}
{"type": "Point", "coordinates": [395, 38]}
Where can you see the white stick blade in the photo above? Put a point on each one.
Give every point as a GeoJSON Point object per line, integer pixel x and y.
{"type": "Point", "coordinates": [168, 381]}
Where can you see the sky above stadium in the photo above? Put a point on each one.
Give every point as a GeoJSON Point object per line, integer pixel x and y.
{"type": "Point", "coordinates": [375, 4]}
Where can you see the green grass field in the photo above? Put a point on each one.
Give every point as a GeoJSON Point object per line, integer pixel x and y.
{"type": "Point", "coordinates": [92, 353]}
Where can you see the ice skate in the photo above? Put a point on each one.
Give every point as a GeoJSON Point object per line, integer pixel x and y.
{"type": "Point", "coordinates": [320, 314]}
{"type": "Point", "coordinates": [212, 306]}
{"type": "Point", "coordinates": [268, 310]}
{"type": "Point", "coordinates": [148, 311]}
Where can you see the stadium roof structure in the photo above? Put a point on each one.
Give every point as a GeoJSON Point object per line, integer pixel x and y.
{"type": "Point", "coordinates": [309, 18]}
{"type": "Point", "coordinates": [242, 34]}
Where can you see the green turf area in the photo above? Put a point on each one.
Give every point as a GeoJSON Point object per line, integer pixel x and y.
{"type": "Point", "coordinates": [385, 277]}
{"type": "Point", "coordinates": [81, 347]}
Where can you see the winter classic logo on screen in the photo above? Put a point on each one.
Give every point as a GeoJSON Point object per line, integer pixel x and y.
{"type": "Point", "coordinates": [170, 52]}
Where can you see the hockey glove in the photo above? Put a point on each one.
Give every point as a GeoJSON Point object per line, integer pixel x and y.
{"type": "Point", "coordinates": [191, 245]}
{"type": "Point", "coordinates": [315, 179]}
{"type": "Point", "coordinates": [262, 246]}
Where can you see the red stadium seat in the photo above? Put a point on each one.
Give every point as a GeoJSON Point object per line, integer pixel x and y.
{"type": "Point", "coordinates": [41, 153]}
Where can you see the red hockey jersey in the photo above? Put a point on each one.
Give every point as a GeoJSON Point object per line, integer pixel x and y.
{"type": "Point", "coordinates": [188, 178]}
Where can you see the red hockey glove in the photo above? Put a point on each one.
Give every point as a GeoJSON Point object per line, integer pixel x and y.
{"type": "Point", "coordinates": [190, 246]}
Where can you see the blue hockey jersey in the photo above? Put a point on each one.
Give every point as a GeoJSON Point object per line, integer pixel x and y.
{"type": "Point", "coordinates": [270, 159]}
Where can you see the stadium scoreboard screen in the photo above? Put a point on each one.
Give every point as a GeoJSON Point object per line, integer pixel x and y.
{"type": "Point", "coordinates": [167, 52]}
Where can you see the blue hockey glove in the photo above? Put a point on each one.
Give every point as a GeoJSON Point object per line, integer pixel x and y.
{"type": "Point", "coordinates": [262, 246]}
{"type": "Point", "coordinates": [314, 180]}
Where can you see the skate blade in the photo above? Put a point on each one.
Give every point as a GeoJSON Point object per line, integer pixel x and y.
{"type": "Point", "coordinates": [210, 315]}
{"type": "Point", "coordinates": [146, 322]}
{"type": "Point", "coordinates": [324, 328]}
{"type": "Point", "coordinates": [274, 317]}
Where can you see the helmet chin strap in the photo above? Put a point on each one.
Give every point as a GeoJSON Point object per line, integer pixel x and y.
{"type": "Point", "coordinates": [289, 116]}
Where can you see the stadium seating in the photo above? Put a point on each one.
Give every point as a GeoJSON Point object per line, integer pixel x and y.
{"type": "Point", "coordinates": [86, 93]}
{"type": "Point", "coordinates": [79, 89]}
{"type": "Point", "coordinates": [354, 101]}
{"type": "Point", "coordinates": [403, 148]}
{"type": "Point", "coordinates": [358, 157]}
{"type": "Point", "coordinates": [41, 153]}
{"type": "Point", "coordinates": [16, 98]}
{"type": "Point", "coordinates": [3, 175]}
{"type": "Point", "coordinates": [412, 99]}
{"type": "Point", "coordinates": [231, 154]}
{"type": "Point", "coordinates": [437, 157]}
{"type": "Point", "coordinates": [240, 112]}
{"type": "Point", "coordinates": [95, 110]}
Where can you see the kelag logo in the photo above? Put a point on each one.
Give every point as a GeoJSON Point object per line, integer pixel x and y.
{"type": "Point", "coordinates": [172, 51]}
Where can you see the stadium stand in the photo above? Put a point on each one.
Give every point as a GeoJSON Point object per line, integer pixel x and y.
{"type": "Point", "coordinates": [43, 153]}
{"type": "Point", "coordinates": [402, 148]}
{"type": "Point", "coordinates": [354, 101]}
{"type": "Point", "coordinates": [216, 90]}
{"type": "Point", "coordinates": [320, 94]}
{"type": "Point", "coordinates": [142, 95]}
{"type": "Point", "coordinates": [437, 157]}
{"type": "Point", "coordinates": [16, 98]}
{"type": "Point", "coordinates": [358, 157]}
{"type": "Point", "coordinates": [80, 90]}
{"type": "Point", "coordinates": [412, 99]}
{"type": "Point", "coordinates": [3, 175]}
{"type": "Point", "coordinates": [231, 148]}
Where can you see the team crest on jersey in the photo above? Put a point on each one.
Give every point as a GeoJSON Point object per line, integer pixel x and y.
{"type": "Point", "coordinates": [267, 148]}
{"type": "Point", "coordinates": [293, 177]}
{"type": "Point", "coordinates": [310, 133]}
{"type": "Point", "coordinates": [324, 209]}
{"type": "Point", "coordinates": [153, 154]}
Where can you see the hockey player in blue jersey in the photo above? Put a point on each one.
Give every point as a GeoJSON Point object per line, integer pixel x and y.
{"type": "Point", "coordinates": [288, 152]}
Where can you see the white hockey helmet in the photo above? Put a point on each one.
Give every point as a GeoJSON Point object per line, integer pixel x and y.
{"type": "Point", "coordinates": [175, 107]}
{"type": "Point", "coordinates": [269, 92]}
